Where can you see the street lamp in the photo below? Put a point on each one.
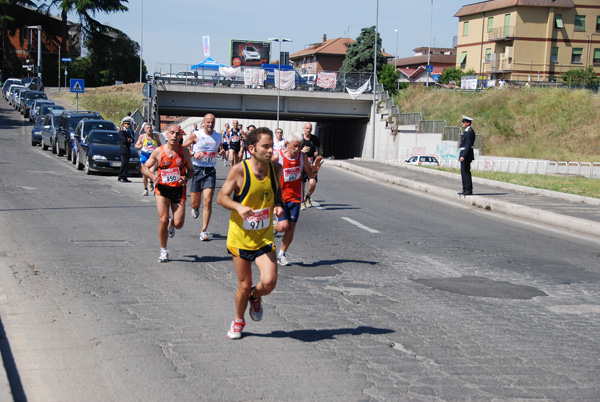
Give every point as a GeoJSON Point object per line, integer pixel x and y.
{"type": "Point", "coordinates": [396, 54]}
{"type": "Point", "coordinates": [39, 63]}
{"type": "Point", "coordinates": [429, 50]}
{"type": "Point", "coordinates": [141, 38]}
{"type": "Point", "coordinates": [279, 68]}
{"type": "Point", "coordinates": [375, 78]}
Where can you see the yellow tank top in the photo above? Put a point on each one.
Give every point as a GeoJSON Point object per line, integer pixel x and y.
{"type": "Point", "coordinates": [257, 231]}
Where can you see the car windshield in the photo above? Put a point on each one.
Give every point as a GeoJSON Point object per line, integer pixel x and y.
{"type": "Point", "coordinates": [37, 96]}
{"type": "Point", "coordinates": [47, 108]}
{"type": "Point", "coordinates": [100, 125]}
{"type": "Point", "coordinates": [105, 138]}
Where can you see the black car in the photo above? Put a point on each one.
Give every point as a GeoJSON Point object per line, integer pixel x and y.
{"type": "Point", "coordinates": [33, 83]}
{"type": "Point", "coordinates": [29, 97]}
{"type": "Point", "coordinates": [100, 152]}
{"type": "Point", "coordinates": [66, 126]}
{"type": "Point", "coordinates": [45, 109]}
{"type": "Point", "coordinates": [36, 131]}
{"type": "Point", "coordinates": [83, 129]}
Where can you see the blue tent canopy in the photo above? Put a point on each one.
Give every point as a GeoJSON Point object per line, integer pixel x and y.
{"type": "Point", "coordinates": [208, 63]}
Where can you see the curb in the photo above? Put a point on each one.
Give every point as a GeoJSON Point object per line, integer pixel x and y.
{"type": "Point", "coordinates": [577, 225]}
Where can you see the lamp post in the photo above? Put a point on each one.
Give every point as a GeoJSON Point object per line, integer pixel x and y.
{"type": "Point", "coordinates": [141, 38]}
{"type": "Point", "coordinates": [279, 68]}
{"type": "Point", "coordinates": [396, 59]}
{"type": "Point", "coordinates": [375, 78]}
{"type": "Point", "coordinates": [429, 50]}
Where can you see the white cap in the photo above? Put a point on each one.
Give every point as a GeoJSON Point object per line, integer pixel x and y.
{"type": "Point", "coordinates": [467, 118]}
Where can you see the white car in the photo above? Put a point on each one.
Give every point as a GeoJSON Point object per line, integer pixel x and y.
{"type": "Point", "coordinates": [250, 54]}
{"type": "Point", "coordinates": [423, 160]}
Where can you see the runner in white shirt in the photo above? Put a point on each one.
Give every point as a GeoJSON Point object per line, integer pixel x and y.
{"type": "Point", "coordinates": [206, 146]}
{"type": "Point", "coordinates": [278, 141]}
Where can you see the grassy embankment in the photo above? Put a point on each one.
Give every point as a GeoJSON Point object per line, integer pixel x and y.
{"type": "Point", "coordinates": [553, 124]}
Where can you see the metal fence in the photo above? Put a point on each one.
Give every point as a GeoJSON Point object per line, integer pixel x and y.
{"type": "Point", "coordinates": [182, 74]}
{"type": "Point", "coordinates": [584, 169]}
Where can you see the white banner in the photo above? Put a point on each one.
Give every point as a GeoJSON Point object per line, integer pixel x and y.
{"type": "Point", "coordinates": [206, 45]}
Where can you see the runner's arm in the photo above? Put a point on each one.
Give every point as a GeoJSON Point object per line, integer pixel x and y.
{"type": "Point", "coordinates": [139, 142]}
{"type": "Point", "coordinates": [152, 160]}
{"type": "Point", "coordinates": [232, 184]}
{"type": "Point", "coordinates": [191, 139]}
{"type": "Point", "coordinates": [278, 204]}
{"type": "Point", "coordinates": [311, 170]}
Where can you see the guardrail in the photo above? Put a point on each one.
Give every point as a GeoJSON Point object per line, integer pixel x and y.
{"type": "Point", "coordinates": [585, 169]}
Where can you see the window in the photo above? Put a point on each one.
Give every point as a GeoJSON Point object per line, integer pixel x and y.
{"type": "Point", "coordinates": [598, 24]}
{"type": "Point", "coordinates": [580, 23]}
{"type": "Point", "coordinates": [463, 59]}
{"type": "Point", "coordinates": [576, 56]}
{"type": "Point", "coordinates": [596, 59]}
{"type": "Point", "coordinates": [554, 58]}
{"type": "Point", "coordinates": [488, 55]}
{"type": "Point", "coordinates": [490, 24]}
{"type": "Point", "coordinates": [507, 25]}
{"type": "Point", "coordinates": [558, 22]}
{"type": "Point", "coordinates": [466, 28]}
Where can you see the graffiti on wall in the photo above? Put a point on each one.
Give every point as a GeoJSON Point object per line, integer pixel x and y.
{"type": "Point", "coordinates": [446, 151]}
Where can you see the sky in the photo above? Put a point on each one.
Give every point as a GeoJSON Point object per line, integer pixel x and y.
{"type": "Point", "coordinates": [172, 30]}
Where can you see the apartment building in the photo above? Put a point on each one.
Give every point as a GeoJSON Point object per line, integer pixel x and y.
{"type": "Point", "coordinates": [522, 40]}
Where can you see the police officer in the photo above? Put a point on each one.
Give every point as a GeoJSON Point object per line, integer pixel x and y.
{"type": "Point", "coordinates": [125, 142]}
{"type": "Point", "coordinates": [466, 155]}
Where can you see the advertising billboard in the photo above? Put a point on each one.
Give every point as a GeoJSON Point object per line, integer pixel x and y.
{"type": "Point", "coordinates": [249, 53]}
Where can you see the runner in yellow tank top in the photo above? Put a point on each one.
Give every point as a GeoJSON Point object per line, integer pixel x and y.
{"type": "Point", "coordinates": [256, 192]}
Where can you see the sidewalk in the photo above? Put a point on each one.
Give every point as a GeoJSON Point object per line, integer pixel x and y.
{"type": "Point", "coordinates": [564, 211]}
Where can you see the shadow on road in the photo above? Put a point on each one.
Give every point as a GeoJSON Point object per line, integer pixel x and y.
{"type": "Point", "coordinates": [14, 379]}
{"type": "Point", "coordinates": [315, 335]}
{"type": "Point", "coordinates": [333, 262]}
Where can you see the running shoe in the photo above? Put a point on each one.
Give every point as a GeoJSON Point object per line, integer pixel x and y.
{"type": "Point", "coordinates": [145, 193]}
{"type": "Point", "coordinates": [224, 162]}
{"type": "Point", "coordinates": [164, 256]}
{"type": "Point", "coordinates": [235, 331]}
{"type": "Point", "coordinates": [283, 261]}
{"type": "Point", "coordinates": [151, 186]}
{"type": "Point", "coordinates": [204, 236]}
{"type": "Point", "coordinates": [302, 206]}
{"type": "Point", "coordinates": [307, 202]}
{"type": "Point", "coordinates": [195, 213]}
{"type": "Point", "coordinates": [255, 308]}
{"type": "Point", "coordinates": [171, 228]}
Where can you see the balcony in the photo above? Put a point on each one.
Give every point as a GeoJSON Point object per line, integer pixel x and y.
{"type": "Point", "coordinates": [499, 63]}
{"type": "Point", "coordinates": [502, 33]}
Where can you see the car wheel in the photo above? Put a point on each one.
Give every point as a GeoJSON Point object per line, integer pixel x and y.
{"type": "Point", "coordinates": [87, 166]}
{"type": "Point", "coordinates": [79, 164]}
{"type": "Point", "coordinates": [73, 156]}
{"type": "Point", "coordinates": [33, 143]}
{"type": "Point", "coordinates": [59, 152]}
{"type": "Point", "coordinates": [44, 146]}
{"type": "Point", "coordinates": [53, 146]}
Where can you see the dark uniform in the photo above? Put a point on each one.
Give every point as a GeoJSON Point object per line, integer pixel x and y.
{"type": "Point", "coordinates": [467, 140]}
{"type": "Point", "coordinates": [125, 141]}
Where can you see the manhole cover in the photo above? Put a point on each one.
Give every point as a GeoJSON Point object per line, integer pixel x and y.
{"type": "Point", "coordinates": [482, 287]}
{"type": "Point", "coordinates": [102, 243]}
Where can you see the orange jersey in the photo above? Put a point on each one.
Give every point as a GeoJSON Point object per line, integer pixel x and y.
{"type": "Point", "coordinates": [291, 178]}
{"type": "Point", "coordinates": [171, 169]}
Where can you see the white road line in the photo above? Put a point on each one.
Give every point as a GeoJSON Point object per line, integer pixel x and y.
{"type": "Point", "coordinates": [316, 204]}
{"type": "Point", "coordinates": [360, 225]}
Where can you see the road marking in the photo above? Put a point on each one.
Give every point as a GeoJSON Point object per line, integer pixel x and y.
{"type": "Point", "coordinates": [360, 225]}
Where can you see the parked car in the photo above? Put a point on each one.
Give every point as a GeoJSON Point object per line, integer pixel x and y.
{"type": "Point", "coordinates": [36, 105]}
{"type": "Point", "coordinates": [48, 131]}
{"type": "Point", "coordinates": [7, 84]}
{"type": "Point", "coordinates": [423, 160]}
{"type": "Point", "coordinates": [66, 126]}
{"type": "Point", "coordinates": [84, 127]}
{"type": "Point", "coordinates": [36, 132]}
{"type": "Point", "coordinates": [45, 109]}
{"type": "Point", "coordinates": [33, 83]}
{"type": "Point", "coordinates": [29, 97]}
{"type": "Point", "coordinates": [12, 92]}
{"type": "Point", "coordinates": [100, 152]}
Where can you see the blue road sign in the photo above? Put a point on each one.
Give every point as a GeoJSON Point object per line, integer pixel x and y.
{"type": "Point", "coordinates": [77, 85]}
{"type": "Point", "coordinates": [66, 59]}
{"type": "Point", "coordinates": [436, 77]}
{"type": "Point", "coordinates": [430, 68]}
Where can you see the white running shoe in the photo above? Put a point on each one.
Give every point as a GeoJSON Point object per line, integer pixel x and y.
{"type": "Point", "coordinates": [302, 206]}
{"type": "Point", "coordinates": [235, 331]}
{"type": "Point", "coordinates": [145, 193]}
{"type": "Point", "coordinates": [195, 213]}
{"type": "Point", "coordinates": [171, 228]}
{"type": "Point", "coordinates": [204, 236]}
{"type": "Point", "coordinates": [308, 203]}
{"type": "Point", "coordinates": [283, 261]}
{"type": "Point", "coordinates": [164, 256]}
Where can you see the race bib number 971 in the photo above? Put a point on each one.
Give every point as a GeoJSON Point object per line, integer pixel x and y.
{"type": "Point", "coordinates": [169, 175]}
{"type": "Point", "coordinates": [260, 220]}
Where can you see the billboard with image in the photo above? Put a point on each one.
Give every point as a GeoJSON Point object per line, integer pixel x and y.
{"type": "Point", "coordinates": [249, 53]}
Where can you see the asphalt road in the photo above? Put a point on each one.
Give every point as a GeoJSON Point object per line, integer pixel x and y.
{"type": "Point", "coordinates": [393, 295]}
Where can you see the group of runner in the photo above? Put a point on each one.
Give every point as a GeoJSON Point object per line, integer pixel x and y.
{"type": "Point", "coordinates": [263, 190]}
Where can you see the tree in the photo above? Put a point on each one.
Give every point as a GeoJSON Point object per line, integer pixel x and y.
{"type": "Point", "coordinates": [85, 9]}
{"type": "Point", "coordinates": [580, 76]}
{"type": "Point", "coordinates": [359, 57]}
{"type": "Point", "coordinates": [451, 74]}
{"type": "Point", "coordinates": [388, 77]}
{"type": "Point", "coordinates": [112, 57]}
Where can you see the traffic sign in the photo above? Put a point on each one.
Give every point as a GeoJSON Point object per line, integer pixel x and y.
{"type": "Point", "coordinates": [430, 68]}
{"type": "Point", "coordinates": [66, 59]}
{"type": "Point", "coordinates": [77, 85]}
{"type": "Point", "coordinates": [149, 90]}
{"type": "Point", "coordinates": [436, 77]}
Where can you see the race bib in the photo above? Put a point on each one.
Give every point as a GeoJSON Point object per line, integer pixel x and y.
{"type": "Point", "coordinates": [260, 220]}
{"type": "Point", "coordinates": [209, 157]}
{"type": "Point", "coordinates": [310, 159]}
{"type": "Point", "coordinates": [169, 175]}
{"type": "Point", "coordinates": [291, 174]}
